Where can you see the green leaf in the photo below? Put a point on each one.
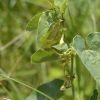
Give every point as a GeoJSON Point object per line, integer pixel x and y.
{"type": "Point", "coordinates": [33, 23]}
{"type": "Point", "coordinates": [53, 36]}
{"type": "Point", "coordinates": [46, 23]}
{"type": "Point", "coordinates": [52, 89]}
{"type": "Point", "coordinates": [90, 57]}
{"type": "Point", "coordinates": [60, 47]}
{"type": "Point", "coordinates": [44, 55]}
{"type": "Point", "coordinates": [79, 44]}
{"type": "Point", "coordinates": [95, 95]}
{"type": "Point", "coordinates": [93, 41]}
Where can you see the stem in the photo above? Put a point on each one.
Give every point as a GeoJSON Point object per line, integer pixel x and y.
{"type": "Point", "coordinates": [73, 90]}
{"type": "Point", "coordinates": [78, 75]}
{"type": "Point", "coordinates": [28, 86]}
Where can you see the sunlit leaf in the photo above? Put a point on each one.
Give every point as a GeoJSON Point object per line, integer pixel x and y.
{"type": "Point", "coordinates": [60, 47]}
{"type": "Point", "coordinates": [43, 55]}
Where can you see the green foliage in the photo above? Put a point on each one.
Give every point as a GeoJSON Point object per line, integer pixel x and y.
{"type": "Point", "coordinates": [93, 41]}
{"type": "Point", "coordinates": [46, 55]}
{"type": "Point", "coordinates": [88, 52]}
{"type": "Point", "coordinates": [47, 89]}
{"type": "Point", "coordinates": [53, 25]}
{"type": "Point", "coordinates": [90, 57]}
{"type": "Point", "coordinates": [45, 25]}
{"type": "Point", "coordinates": [32, 25]}
{"type": "Point", "coordinates": [60, 47]}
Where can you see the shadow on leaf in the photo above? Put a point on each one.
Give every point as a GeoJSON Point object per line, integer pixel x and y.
{"type": "Point", "coordinates": [52, 89]}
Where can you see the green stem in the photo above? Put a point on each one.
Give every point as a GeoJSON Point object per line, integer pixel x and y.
{"type": "Point", "coordinates": [78, 72]}
{"type": "Point", "coordinates": [28, 86]}
{"type": "Point", "coordinates": [72, 63]}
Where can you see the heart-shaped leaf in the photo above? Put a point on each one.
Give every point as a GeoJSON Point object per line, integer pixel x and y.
{"type": "Point", "coordinates": [90, 57]}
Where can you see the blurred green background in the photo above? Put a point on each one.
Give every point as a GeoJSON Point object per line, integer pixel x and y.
{"type": "Point", "coordinates": [17, 45]}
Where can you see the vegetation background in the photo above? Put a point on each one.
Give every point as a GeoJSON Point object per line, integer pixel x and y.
{"type": "Point", "coordinates": [17, 45]}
